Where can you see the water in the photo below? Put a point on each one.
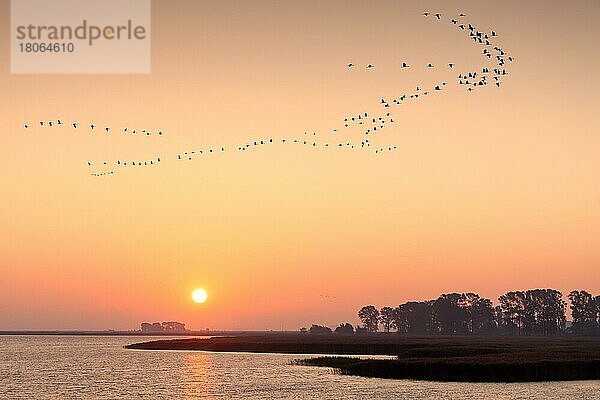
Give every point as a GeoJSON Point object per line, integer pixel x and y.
{"type": "Point", "coordinates": [92, 367]}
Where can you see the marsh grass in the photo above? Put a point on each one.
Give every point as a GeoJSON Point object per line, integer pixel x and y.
{"type": "Point", "coordinates": [463, 359]}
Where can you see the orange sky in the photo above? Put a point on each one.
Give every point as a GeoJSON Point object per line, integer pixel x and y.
{"type": "Point", "coordinates": [490, 191]}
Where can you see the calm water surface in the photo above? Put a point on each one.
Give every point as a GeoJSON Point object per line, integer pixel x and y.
{"type": "Point", "coordinates": [91, 367]}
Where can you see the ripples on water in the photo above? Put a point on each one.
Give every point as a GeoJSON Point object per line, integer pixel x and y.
{"type": "Point", "coordinates": [92, 367]}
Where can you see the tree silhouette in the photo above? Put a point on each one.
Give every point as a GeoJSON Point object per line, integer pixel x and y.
{"type": "Point", "coordinates": [369, 315]}
{"type": "Point", "coordinates": [550, 311]}
{"type": "Point", "coordinates": [400, 321]}
{"type": "Point", "coordinates": [512, 305]}
{"type": "Point", "coordinates": [584, 310]}
{"type": "Point", "coordinates": [413, 318]}
{"type": "Point", "coordinates": [319, 330]}
{"type": "Point", "coordinates": [386, 318]}
{"type": "Point", "coordinates": [479, 312]}
{"type": "Point", "coordinates": [498, 321]}
{"type": "Point", "coordinates": [345, 329]}
{"type": "Point", "coordinates": [534, 312]}
{"type": "Point", "coordinates": [451, 317]}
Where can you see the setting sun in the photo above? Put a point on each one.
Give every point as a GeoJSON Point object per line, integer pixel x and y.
{"type": "Point", "coordinates": [199, 295]}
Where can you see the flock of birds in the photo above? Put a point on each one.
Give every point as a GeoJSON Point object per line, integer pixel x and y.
{"type": "Point", "coordinates": [403, 65]}
{"type": "Point", "coordinates": [368, 124]}
{"type": "Point", "coordinates": [92, 128]}
{"type": "Point", "coordinates": [470, 79]}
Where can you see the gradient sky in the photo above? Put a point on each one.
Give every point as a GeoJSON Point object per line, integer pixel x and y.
{"type": "Point", "coordinates": [491, 191]}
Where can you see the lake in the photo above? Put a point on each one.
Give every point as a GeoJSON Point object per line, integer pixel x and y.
{"type": "Point", "coordinates": [97, 367]}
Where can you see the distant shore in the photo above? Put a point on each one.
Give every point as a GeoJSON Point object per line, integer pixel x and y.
{"type": "Point", "coordinates": [125, 333]}
{"type": "Point", "coordinates": [468, 359]}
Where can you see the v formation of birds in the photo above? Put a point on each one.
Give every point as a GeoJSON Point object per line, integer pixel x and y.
{"type": "Point", "coordinates": [369, 125]}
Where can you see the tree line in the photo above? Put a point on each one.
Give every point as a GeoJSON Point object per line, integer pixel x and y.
{"type": "Point", "coordinates": [167, 326]}
{"type": "Point", "coordinates": [529, 312]}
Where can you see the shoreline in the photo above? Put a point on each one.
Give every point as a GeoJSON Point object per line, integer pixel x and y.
{"type": "Point", "coordinates": [460, 359]}
{"type": "Point", "coordinates": [127, 333]}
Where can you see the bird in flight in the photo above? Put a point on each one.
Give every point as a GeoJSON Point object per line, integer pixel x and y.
{"type": "Point", "coordinates": [438, 16]}
{"type": "Point", "coordinates": [451, 65]}
{"type": "Point", "coordinates": [350, 65]}
{"type": "Point", "coordinates": [426, 14]}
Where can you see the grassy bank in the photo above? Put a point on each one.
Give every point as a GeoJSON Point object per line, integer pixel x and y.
{"type": "Point", "coordinates": [462, 369]}
{"type": "Point", "coordinates": [474, 359]}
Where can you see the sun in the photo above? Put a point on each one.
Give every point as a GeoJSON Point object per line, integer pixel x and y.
{"type": "Point", "coordinates": [199, 295]}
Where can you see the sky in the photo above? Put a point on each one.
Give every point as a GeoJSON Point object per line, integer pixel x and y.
{"type": "Point", "coordinates": [489, 191]}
